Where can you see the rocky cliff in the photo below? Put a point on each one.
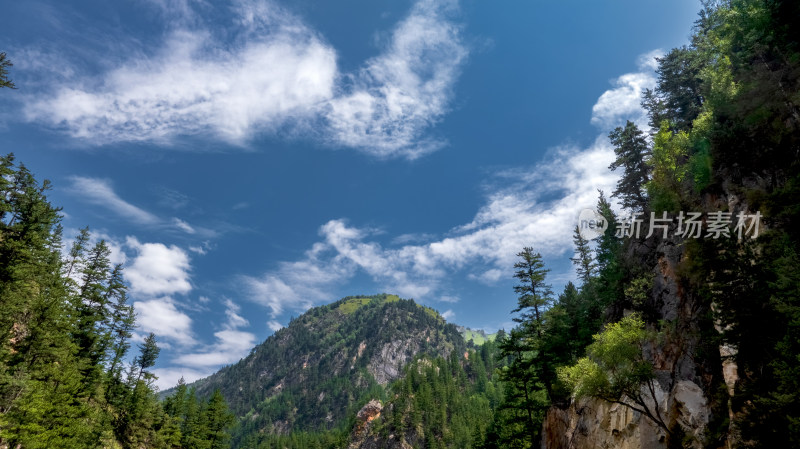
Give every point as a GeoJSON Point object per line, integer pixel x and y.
{"type": "Point", "coordinates": [696, 372]}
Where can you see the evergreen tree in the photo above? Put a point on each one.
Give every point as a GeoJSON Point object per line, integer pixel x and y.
{"type": "Point", "coordinates": [67, 326]}
{"type": "Point", "coordinates": [534, 295]}
{"type": "Point", "coordinates": [521, 409]}
{"type": "Point", "coordinates": [584, 260]}
{"type": "Point", "coordinates": [218, 420]}
{"type": "Point", "coordinates": [148, 355]}
{"type": "Point", "coordinates": [631, 149]}
{"type": "Point", "coordinates": [678, 96]}
{"type": "Point", "coordinates": [76, 254]}
{"type": "Point", "coordinates": [4, 65]}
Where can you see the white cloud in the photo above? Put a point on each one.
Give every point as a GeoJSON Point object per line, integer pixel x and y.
{"type": "Point", "coordinates": [197, 249]}
{"type": "Point", "coordinates": [235, 320]}
{"type": "Point", "coordinates": [623, 102]}
{"type": "Point", "coordinates": [100, 192]}
{"type": "Point", "coordinates": [448, 315]}
{"type": "Point", "coordinates": [297, 285]}
{"type": "Point", "coordinates": [193, 85]}
{"type": "Point", "coordinates": [450, 299]}
{"type": "Point", "coordinates": [169, 377]}
{"type": "Point", "coordinates": [534, 206]}
{"type": "Point", "coordinates": [648, 61]}
{"type": "Point", "coordinates": [163, 318]}
{"type": "Point", "coordinates": [157, 269]}
{"type": "Point", "coordinates": [399, 94]}
{"type": "Point", "coordinates": [523, 213]}
{"type": "Point", "coordinates": [488, 277]}
{"type": "Point", "coordinates": [232, 343]}
{"type": "Point", "coordinates": [231, 346]}
{"type": "Point", "coordinates": [274, 74]}
{"type": "Point", "coordinates": [183, 226]}
{"type": "Point", "coordinates": [274, 325]}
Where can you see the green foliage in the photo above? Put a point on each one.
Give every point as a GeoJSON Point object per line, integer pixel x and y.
{"type": "Point", "coordinates": [639, 290]}
{"type": "Point", "coordinates": [197, 425]}
{"type": "Point", "coordinates": [477, 337]}
{"type": "Point", "coordinates": [615, 369]}
{"type": "Point", "coordinates": [67, 329]}
{"type": "Point", "coordinates": [446, 403]}
{"type": "Point", "coordinates": [632, 154]}
{"type": "Point", "coordinates": [533, 294]}
{"type": "Point", "coordinates": [583, 260]}
{"type": "Point", "coordinates": [4, 65]}
{"type": "Point", "coordinates": [678, 97]}
{"type": "Point", "coordinates": [669, 169]}
{"type": "Point", "coordinates": [743, 143]}
{"type": "Point", "coordinates": [351, 305]}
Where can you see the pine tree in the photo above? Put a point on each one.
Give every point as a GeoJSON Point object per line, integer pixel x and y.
{"type": "Point", "coordinates": [528, 368]}
{"type": "Point", "coordinates": [67, 325]}
{"type": "Point", "coordinates": [520, 409]}
{"type": "Point", "coordinates": [632, 151]}
{"type": "Point", "coordinates": [92, 334]}
{"type": "Point", "coordinates": [148, 355]}
{"type": "Point", "coordinates": [534, 295]}
{"type": "Point", "coordinates": [584, 260]}
{"type": "Point", "coordinates": [218, 420]}
{"type": "Point", "coordinates": [76, 253]}
{"type": "Point", "coordinates": [4, 65]}
{"type": "Point", "coordinates": [122, 322]}
{"type": "Point", "coordinates": [678, 96]}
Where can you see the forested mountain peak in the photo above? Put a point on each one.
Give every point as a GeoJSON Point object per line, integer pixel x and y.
{"type": "Point", "coordinates": [318, 371]}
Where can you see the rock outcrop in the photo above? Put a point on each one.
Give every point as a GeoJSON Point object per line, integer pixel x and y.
{"type": "Point", "coordinates": [686, 371]}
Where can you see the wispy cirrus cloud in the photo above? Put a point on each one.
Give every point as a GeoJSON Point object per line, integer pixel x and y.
{"type": "Point", "coordinates": [100, 192]}
{"type": "Point", "coordinates": [275, 74]}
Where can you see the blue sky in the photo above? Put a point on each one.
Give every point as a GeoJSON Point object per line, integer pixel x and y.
{"type": "Point", "coordinates": [248, 159]}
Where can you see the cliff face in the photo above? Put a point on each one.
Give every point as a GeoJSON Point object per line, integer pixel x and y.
{"type": "Point", "coordinates": [687, 364]}
{"type": "Point", "coordinates": [599, 424]}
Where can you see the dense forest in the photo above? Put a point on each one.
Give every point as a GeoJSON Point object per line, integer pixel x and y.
{"type": "Point", "coordinates": [647, 314]}
{"type": "Point", "coordinates": [65, 376]}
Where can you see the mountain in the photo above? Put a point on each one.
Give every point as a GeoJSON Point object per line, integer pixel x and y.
{"type": "Point", "coordinates": [477, 337]}
{"type": "Point", "coordinates": [315, 374]}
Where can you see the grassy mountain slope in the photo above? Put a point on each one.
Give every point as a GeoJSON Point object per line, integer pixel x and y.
{"type": "Point", "coordinates": [478, 337]}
